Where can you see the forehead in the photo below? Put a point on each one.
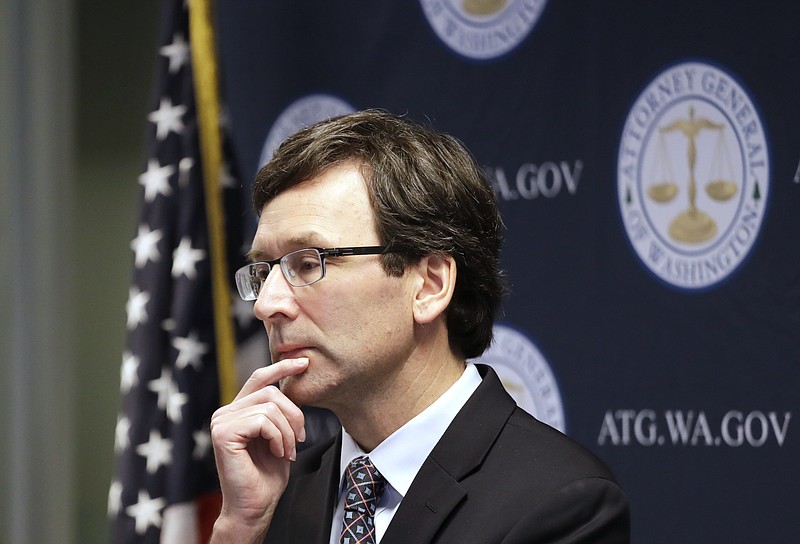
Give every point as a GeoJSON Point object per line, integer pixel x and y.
{"type": "Point", "coordinates": [332, 209]}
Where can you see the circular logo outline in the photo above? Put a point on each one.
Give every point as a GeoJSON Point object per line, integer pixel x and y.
{"type": "Point", "coordinates": [478, 35]}
{"type": "Point", "coordinates": [301, 113]}
{"type": "Point", "coordinates": [526, 375]}
{"type": "Point", "coordinates": [731, 248]}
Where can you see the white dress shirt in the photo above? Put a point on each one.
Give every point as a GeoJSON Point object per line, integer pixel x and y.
{"type": "Point", "coordinates": [400, 456]}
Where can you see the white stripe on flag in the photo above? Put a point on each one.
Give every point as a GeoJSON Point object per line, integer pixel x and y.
{"type": "Point", "coordinates": [179, 525]}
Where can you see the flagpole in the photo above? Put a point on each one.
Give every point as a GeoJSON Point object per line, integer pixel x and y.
{"type": "Point", "coordinates": [204, 67]}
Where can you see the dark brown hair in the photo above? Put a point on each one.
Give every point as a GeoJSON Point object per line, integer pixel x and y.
{"type": "Point", "coordinates": [428, 196]}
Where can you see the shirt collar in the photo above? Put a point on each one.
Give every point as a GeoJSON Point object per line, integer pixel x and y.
{"type": "Point", "coordinates": [393, 457]}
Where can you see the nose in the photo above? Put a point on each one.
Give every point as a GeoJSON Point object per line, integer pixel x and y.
{"type": "Point", "coordinates": [276, 299]}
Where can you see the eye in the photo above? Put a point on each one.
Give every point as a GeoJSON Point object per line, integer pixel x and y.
{"type": "Point", "coordinates": [303, 267]}
{"type": "Point", "coordinates": [307, 263]}
{"type": "Point", "coordinates": [260, 272]}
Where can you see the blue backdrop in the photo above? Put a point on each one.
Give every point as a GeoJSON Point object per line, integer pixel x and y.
{"type": "Point", "coordinates": [646, 158]}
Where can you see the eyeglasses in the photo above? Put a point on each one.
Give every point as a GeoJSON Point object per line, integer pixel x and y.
{"type": "Point", "coordinates": [300, 268]}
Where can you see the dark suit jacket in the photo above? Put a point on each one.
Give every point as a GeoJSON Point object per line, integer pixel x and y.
{"type": "Point", "coordinates": [496, 476]}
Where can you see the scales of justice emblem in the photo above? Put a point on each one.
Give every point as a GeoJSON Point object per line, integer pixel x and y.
{"type": "Point", "coordinates": [693, 225]}
{"type": "Point", "coordinates": [693, 175]}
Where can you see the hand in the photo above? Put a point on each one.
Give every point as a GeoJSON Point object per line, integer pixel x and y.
{"type": "Point", "coordinates": [255, 438]}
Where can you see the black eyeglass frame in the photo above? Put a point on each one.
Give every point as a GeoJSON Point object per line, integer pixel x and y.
{"type": "Point", "coordinates": [247, 272]}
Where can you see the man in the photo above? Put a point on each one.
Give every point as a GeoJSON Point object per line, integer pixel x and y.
{"type": "Point", "coordinates": [376, 276]}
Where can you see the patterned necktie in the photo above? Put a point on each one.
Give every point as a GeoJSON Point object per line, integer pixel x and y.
{"type": "Point", "coordinates": [364, 487]}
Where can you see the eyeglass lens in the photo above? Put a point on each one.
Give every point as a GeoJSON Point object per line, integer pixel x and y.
{"type": "Point", "coordinates": [302, 267]}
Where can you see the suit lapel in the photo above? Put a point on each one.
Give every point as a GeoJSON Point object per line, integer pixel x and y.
{"type": "Point", "coordinates": [314, 491]}
{"type": "Point", "coordinates": [436, 490]}
{"type": "Point", "coordinates": [429, 501]}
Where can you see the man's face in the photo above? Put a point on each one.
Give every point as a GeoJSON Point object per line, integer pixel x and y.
{"type": "Point", "coordinates": [356, 324]}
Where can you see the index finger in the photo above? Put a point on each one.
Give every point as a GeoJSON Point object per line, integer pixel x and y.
{"type": "Point", "coordinates": [272, 374]}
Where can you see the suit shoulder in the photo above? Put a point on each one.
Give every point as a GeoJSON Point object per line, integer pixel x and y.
{"type": "Point", "coordinates": [545, 445]}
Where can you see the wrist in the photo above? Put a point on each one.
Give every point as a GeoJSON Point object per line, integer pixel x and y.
{"type": "Point", "coordinates": [229, 529]}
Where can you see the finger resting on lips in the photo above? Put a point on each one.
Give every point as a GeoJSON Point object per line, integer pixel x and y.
{"type": "Point", "coordinates": [272, 374]}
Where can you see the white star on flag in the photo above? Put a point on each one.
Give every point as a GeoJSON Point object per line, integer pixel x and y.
{"type": "Point", "coordinates": [175, 402]}
{"type": "Point", "coordinates": [161, 387]}
{"type": "Point", "coordinates": [156, 180]}
{"type": "Point", "coordinates": [190, 351]}
{"type": "Point", "coordinates": [185, 259]}
{"type": "Point", "coordinates": [146, 511]}
{"type": "Point", "coordinates": [170, 399]}
{"type": "Point", "coordinates": [177, 52]}
{"type": "Point", "coordinates": [136, 307]}
{"type": "Point", "coordinates": [121, 434]}
{"type": "Point", "coordinates": [202, 443]}
{"type": "Point", "coordinates": [157, 450]}
{"type": "Point", "coordinates": [167, 118]}
{"type": "Point", "coordinates": [114, 498]}
{"type": "Point", "coordinates": [184, 168]}
{"type": "Point", "coordinates": [145, 246]}
{"type": "Point", "coordinates": [129, 377]}
{"type": "Point", "coordinates": [169, 324]}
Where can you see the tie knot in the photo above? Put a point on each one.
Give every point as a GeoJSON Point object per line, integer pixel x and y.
{"type": "Point", "coordinates": [364, 485]}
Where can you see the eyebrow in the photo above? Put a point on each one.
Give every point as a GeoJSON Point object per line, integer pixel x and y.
{"type": "Point", "coordinates": [298, 241]}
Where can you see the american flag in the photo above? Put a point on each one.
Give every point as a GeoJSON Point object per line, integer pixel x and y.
{"type": "Point", "coordinates": [165, 488]}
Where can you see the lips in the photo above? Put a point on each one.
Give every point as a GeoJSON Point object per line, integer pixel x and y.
{"type": "Point", "coordinates": [290, 352]}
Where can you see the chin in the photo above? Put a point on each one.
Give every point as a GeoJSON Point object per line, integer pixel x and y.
{"type": "Point", "coordinates": [303, 390]}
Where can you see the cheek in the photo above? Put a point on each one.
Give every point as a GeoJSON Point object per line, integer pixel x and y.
{"type": "Point", "coordinates": [367, 313]}
{"type": "Point", "coordinates": [387, 317]}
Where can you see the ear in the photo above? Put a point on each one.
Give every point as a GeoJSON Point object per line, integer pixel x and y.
{"type": "Point", "coordinates": [434, 287]}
